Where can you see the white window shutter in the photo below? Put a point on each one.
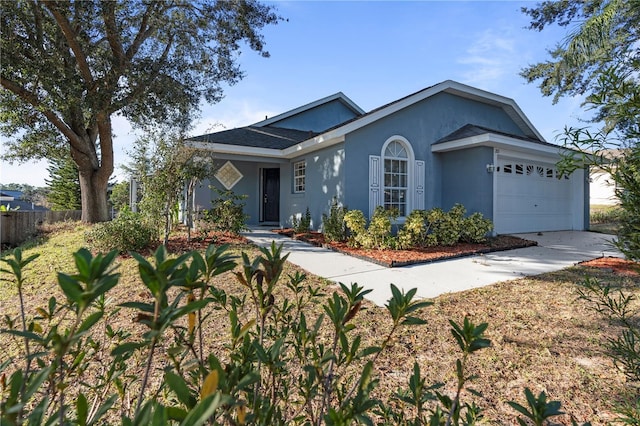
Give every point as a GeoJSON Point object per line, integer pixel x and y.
{"type": "Point", "coordinates": [419, 180]}
{"type": "Point", "coordinates": [375, 187]}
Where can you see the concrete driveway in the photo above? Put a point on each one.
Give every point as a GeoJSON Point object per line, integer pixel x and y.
{"type": "Point", "coordinates": [555, 251]}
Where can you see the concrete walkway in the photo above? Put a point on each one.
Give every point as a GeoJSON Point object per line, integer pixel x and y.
{"type": "Point", "coordinates": [555, 251]}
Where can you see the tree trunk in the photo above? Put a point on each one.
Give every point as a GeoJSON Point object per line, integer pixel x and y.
{"type": "Point", "coordinates": [94, 168]}
{"type": "Point", "coordinates": [93, 188]}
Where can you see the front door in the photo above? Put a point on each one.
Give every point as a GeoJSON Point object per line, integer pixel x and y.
{"type": "Point", "coordinates": [270, 195]}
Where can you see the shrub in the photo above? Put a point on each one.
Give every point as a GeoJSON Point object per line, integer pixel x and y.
{"type": "Point", "coordinates": [302, 225]}
{"type": "Point", "coordinates": [415, 230]}
{"type": "Point", "coordinates": [333, 225]}
{"type": "Point", "coordinates": [127, 232]}
{"type": "Point", "coordinates": [475, 228]}
{"type": "Point", "coordinates": [378, 234]}
{"type": "Point", "coordinates": [447, 227]}
{"type": "Point", "coordinates": [226, 214]}
{"type": "Point", "coordinates": [356, 225]}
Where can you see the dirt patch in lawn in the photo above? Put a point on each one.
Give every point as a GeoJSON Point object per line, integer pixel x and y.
{"type": "Point", "coordinates": [616, 265]}
{"type": "Point", "coordinates": [394, 258]}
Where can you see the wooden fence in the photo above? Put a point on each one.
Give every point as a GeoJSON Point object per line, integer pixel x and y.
{"type": "Point", "coordinates": [17, 226]}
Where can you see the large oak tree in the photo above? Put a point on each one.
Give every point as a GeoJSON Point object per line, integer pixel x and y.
{"type": "Point", "coordinates": [69, 66]}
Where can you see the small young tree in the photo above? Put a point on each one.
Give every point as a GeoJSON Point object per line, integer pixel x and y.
{"type": "Point", "coordinates": [164, 166]}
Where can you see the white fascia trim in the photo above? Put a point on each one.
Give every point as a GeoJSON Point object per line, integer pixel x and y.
{"type": "Point", "coordinates": [319, 142]}
{"type": "Point", "coordinates": [309, 106]}
{"type": "Point", "coordinates": [237, 149]}
{"type": "Point", "coordinates": [497, 141]}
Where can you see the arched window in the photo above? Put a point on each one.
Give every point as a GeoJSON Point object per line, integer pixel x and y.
{"type": "Point", "coordinates": [396, 176]}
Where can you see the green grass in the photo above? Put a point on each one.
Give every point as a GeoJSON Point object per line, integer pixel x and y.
{"type": "Point", "coordinates": [54, 244]}
{"type": "Point", "coordinates": [605, 218]}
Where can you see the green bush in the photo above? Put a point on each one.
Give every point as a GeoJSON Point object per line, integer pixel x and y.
{"type": "Point", "coordinates": [303, 224]}
{"type": "Point", "coordinates": [333, 225]}
{"type": "Point", "coordinates": [447, 227]}
{"type": "Point", "coordinates": [127, 232]}
{"type": "Point", "coordinates": [475, 228]}
{"type": "Point", "coordinates": [378, 234]}
{"type": "Point", "coordinates": [422, 228]}
{"type": "Point", "coordinates": [226, 214]}
{"type": "Point", "coordinates": [356, 225]}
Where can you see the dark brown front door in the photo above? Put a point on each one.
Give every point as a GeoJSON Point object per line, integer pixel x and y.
{"type": "Point", "coordinates": [271, 195]}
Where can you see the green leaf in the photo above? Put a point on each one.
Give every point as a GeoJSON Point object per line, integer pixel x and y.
{"type": "Point", "coordinates": [70, 287]}
{"type": "Point", "coordinates": [201, 412]}
{"type": "Point", "coordinates": [36, 414]}
{"type": "Point", "coordinates": [413, 321]}
{"type": "Point", "coordinates": [90, 321]}
{"type": "Point", "coordinates": [82, 409]}
{"type": "Point", "coordinates": [36, 381]}
{"type": "Point", "coordinates": [145, 307]}
{"type": "Point", "coordinates": [127, 348]}
{"type": "Point", "coordinates": [27, 334]}
{"type": "Point", "coordinates": [180, 388]}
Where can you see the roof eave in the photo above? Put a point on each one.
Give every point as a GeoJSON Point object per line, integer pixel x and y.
{"type": "Point", "coordinates": [319, 142]}
{"type": "Point", "coordinates": [500, 142]}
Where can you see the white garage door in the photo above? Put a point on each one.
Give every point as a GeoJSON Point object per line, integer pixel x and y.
{"type": "Point", "coordinates": [531, 197]}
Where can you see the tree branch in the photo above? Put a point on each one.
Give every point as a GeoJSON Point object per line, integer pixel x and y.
{"type": "Point", "coordinates": [137, 90]}
{"type": "Point", "coordinates": [53, 118]}
{"type": "Point", "coordinates": [144, 31]}
{"type": "Point", "coordinates": [109, 17]}
{"type": "Point", "coordinates": [70, 36]}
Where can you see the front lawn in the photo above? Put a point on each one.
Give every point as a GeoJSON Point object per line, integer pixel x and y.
{"type": "Point", "coordinates": [542, 336]}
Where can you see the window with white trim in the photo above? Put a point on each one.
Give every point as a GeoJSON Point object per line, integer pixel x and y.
{"type": "Point", "coordinates": [396, 177]}
{"type": "Point", "coordinates": [299, 176]}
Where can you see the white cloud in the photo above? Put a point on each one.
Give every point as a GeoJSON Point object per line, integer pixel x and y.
{"type": "Point", "coordinates": [491, 56]}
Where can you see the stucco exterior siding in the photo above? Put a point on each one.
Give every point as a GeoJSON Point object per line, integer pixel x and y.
{"type": "Point", "coordinates": [422, 124]}
{"type": "Point", "coordinates": [323, 181]}
{"type": "Point", "coordinates": [465, 180]}
{"type": "Point", "coordinates": [247, 185]}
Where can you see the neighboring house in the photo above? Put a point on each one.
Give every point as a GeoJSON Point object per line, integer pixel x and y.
{"type": "Point", "coordinates": [449, 143]}
{"type": "Point", "coordinates": [602, 189]}
{"type": "Point", "coordinates": [14, 200]}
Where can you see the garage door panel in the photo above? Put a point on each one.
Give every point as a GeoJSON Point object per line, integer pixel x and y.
{"type": "Point", "coordinates": [530, 197]}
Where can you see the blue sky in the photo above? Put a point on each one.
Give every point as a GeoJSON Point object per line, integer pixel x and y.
{"type": "Point", "coordinates": [375, 53]}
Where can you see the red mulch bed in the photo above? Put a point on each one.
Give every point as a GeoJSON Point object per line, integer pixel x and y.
{"type": "Point", "coordinates": [393, 258]}
{"type": "Point", "coordinates": [619, 266]}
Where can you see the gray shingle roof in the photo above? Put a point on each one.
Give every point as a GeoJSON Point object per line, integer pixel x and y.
{"type": "Point", "coordinates": [260, 137]}
{"type": "Point", "coordinates": [470, 130]}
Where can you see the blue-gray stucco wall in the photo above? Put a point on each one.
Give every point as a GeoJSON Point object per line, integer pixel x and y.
{"type": "Point", "coordinates": [249, 185]}
{"type": "Point", "coordinates": [318, 119]}
{"type": "Point", "coordinates": [421, 124]}
{"type": "Point", "coordinates": [465, 180]}
{"type": "Point", "coordinates": [323, 182]}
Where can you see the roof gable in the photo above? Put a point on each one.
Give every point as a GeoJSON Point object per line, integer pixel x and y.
{"type": "Point", "coordinates": [317, 116]}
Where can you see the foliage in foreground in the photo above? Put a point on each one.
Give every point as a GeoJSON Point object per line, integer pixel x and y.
{"type": "Point", "coordinates": [281, 364]}
{"type": "Point", "coordinates": [616, 306]}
